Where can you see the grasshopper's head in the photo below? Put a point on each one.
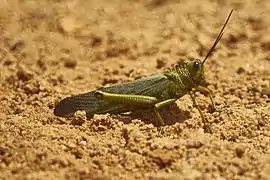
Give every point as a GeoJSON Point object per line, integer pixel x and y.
{"type": "Point", "coordinates": [195, 68]}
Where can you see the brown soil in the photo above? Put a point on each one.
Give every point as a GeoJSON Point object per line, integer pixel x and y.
{"type": "Point", "coordinates": [53, 49]}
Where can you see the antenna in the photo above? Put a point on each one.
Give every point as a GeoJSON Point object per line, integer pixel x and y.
{"type": "Point", "coordinates": [218, 37]}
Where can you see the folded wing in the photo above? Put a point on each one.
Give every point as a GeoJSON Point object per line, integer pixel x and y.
{"type": "Point", "coordinates": [149, 86]}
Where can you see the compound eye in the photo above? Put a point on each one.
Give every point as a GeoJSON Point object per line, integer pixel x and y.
{"type": "Point", "coordinates": [196, 65]}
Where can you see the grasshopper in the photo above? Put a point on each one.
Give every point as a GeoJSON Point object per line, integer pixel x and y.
{"type": "Point", "coordinates": [154, 92]}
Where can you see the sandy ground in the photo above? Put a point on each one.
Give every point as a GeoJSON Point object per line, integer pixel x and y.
{"type": "Point", "coordinates": [53, 49]}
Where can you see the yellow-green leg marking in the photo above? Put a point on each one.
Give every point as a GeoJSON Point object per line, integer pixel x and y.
{"type": "Point", "coordinates": [160, 105]}
{"type": "Point", "coordinates": [206, 124]}
{"type": "Point", "coordinates": [209, 92]}
{"type": "Point", "coordinates": [131, 99]}
{"type": "Point", "coordinates": [196, 104]}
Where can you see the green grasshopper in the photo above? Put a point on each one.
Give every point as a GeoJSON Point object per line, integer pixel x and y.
{"type": "Point", "coordinates": [153, 92]}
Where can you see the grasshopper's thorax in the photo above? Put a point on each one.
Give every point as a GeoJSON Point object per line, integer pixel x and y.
{"type": "Point", "coordinates": [186, 76]}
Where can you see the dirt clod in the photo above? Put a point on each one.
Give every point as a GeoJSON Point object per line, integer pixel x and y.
{"type": "Point", "coordinates": [266, 91]}
{"type": "Point", "coordinates": [161, 62]}
{"type": "Point", "coordinates": [70, 63]}
{"type": "Point", "coordinates": [240, 150]}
